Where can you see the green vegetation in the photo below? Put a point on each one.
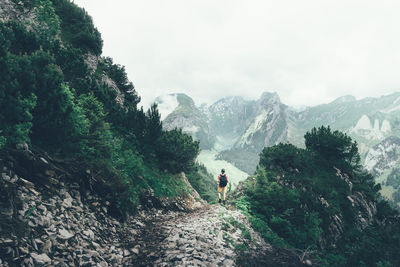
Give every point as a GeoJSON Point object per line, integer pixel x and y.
{"type": "Point", "coordinates": [77, 27]}
{"type": "Point", "coordinates": [204, 183]}
{"type": "Point", "coordinates": [53, 100]}
{"type": "Point", "coordinates": [296, 194]}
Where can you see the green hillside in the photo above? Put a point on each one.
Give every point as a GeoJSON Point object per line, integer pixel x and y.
{"type": "Point", "coordinates": [59, 95]}
{"type": "Point", "coordinates": [319, 201]}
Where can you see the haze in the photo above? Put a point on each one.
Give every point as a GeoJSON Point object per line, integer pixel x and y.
{"type": "Point", "coordinates": [309, 52]}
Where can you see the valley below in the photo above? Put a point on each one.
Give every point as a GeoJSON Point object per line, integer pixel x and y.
{"type": "Point", "coordinates": [209, 159]}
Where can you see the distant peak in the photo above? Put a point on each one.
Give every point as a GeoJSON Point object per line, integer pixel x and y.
{"type": "Point", "coordinates": [231, 99]}
{"type": "Point", "coordinates": [183, 99]}
{"type": "Point", "coordinates": [269, 94]}
{"type": "Point", "coordinates": [346, 98]}
{"type": "Point", "coordinates": [270, 97]}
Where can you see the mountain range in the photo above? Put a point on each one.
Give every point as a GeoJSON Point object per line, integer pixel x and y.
{"type": "Point", "coordinates": [237, 129]}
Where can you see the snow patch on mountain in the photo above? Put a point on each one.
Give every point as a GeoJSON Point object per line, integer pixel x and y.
{"type": "Point", "coordinates": [256, 125]}
{"type": "Point", "coordinates": [376, 125]}
{"type": "Point", "coordinates": [167, 104]}
{"type": "Point", "coordinates": [386, 126]}
{"type": "Point", "coordinates": [363, 124]}
{"type": "Point", "coordinates": [377, 131]}
{"type": "Point", "coordinates": [192, 129]}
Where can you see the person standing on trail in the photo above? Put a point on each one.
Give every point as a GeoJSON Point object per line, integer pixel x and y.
{"type": "Point", "coordinates": [222, 185]}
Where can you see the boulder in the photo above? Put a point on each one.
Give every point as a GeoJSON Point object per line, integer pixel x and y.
{"type": "Point", "coordinates": [41, 258]}
{"type": "Point", "coordinates": [64, 234]}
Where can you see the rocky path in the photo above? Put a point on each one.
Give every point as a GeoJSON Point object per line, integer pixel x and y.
{"type": "Point", "coordinates": [209, 236]}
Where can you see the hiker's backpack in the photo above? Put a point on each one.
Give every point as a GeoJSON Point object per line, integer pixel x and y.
{"type": "Point", "coordinates": [223, 181]}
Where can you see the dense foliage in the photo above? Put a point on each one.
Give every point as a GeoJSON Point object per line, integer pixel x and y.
{"type": "Point", "coordinates": [393, 180]}
{"type": "Point", "coordinates": [203, 182]}
{"type": "Point", "coordinates": [53, 98]}
{"type": "Point", "coordinates": [298, 196]}
{"type": "Point", "coordinates": [77, 27]}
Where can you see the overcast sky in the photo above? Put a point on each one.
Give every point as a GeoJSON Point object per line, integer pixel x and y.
{"type": "Point", "coordinates": [309, 52]}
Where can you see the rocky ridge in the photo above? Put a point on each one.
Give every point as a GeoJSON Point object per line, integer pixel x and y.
{"type": "Point", "coordinates": [366, 215]}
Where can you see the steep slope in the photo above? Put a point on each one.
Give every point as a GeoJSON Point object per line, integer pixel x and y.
{"type": "Point", "coordinates": [185, 115]}
{"type": "Point", "coordinates": [268, 125]}
{"type": "Point", "coordinates": [383, 161]}
{"type": "Point", "coordinates": [229, 116]}
{"type": "Point", "coordinates": [59, 95]}
{"type": "Point", "coordinates": [319, 200]}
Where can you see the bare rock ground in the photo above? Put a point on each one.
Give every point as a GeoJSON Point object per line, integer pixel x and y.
{"type": "Point", "coordinates": [209, 236]}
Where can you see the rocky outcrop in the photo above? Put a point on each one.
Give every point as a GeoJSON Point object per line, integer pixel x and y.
{"type": "Point", "coordinates": [364, 211]}
{"type": "Point", "coordinates": [111, 84]}
{"type": "Point", "coordinates": [383, 156]}
{"type": "Point", "coordinates": [10, 10]}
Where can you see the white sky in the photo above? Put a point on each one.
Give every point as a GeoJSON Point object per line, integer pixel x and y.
{"type": "Point", "coordinates": [309, 52]}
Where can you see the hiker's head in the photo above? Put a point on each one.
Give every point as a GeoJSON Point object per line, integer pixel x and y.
{"type": "Point", "coordinates": [223, 171]}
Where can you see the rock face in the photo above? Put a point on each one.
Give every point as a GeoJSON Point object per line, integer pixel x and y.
{"type": "Point", "coordinates": [10, 10]}
{"type": "Point", "coordinates": [383, 156]}
{"type": "Point", "coordinates": [365, 216]}
{"type": "Point", "coordinates": [230, 115]}
{"type": "Point", "coordinates": [187, 117]}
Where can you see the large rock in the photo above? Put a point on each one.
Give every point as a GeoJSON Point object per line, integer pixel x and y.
{"type": "Point", "coordinates": [40, 258]}
{"type": "Point", "coordinates": [64, 234]}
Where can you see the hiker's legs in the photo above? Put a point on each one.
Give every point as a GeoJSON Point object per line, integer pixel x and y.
{"type": "Point", "coordinates": [219, 193]}
{"type": "Point", "coordinates": [224, 193]}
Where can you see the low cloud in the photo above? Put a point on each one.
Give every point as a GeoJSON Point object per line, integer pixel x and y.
{"type": "Point", "coordinates": [309, 52]}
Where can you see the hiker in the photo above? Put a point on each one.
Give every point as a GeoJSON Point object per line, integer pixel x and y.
{"type": "Point", "coordinates": [222, 185]}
